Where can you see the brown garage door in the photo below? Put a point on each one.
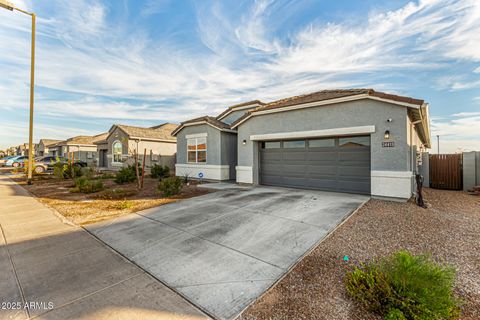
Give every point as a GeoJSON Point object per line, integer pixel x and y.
{"type": "Point", "coordinates": [339, 164]}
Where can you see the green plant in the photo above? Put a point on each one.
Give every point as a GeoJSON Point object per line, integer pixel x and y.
{"type": "Point", "coordinates": [404, 286]}
{"type": "Point", "coordinates": [126, 175]}
{"type": "Point", "coordinates": [105, 175]}
{"type": "Point", "coordinates": [66, 170]}
{"type": "Point", "coordinates": [170, 186]}
{"type": "Point", "coordinates": [159, 171]}
{"type": "Point", "coordinates": [114, 194]}
{"type": "Point", "coordinates": [85, 185]}
{"type": "Point", "coordinates": [88, 172]}
{"type": "Point", "coordinates": [125, 204]}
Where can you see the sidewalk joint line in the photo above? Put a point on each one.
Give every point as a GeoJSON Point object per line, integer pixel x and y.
{"type": "Point", "coordinates": [15, 272]}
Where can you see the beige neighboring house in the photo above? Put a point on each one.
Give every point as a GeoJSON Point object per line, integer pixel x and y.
{"type": "Point", "coordinates": [118, 147]}
{"type": "Point", "coordinates": [45, 147]}
{"type": "Point", "coordinates": [21, 150]}
{"type": "Point", "coordinates": [82, 148]}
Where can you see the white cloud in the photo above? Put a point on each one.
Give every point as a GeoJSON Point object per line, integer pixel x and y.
{"type": "Point", "coordinates": [81, 52]}
{"type": "Point", "coordinates": [459, 131]}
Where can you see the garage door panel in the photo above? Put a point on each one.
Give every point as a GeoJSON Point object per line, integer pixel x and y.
{"type": "Point", "coordinates": [344, 169]}
{"type": "Point", "coordinates": [294, 168]}
{"type": "Point", "coordinates": [324, 184]}
{"type": "Point", "coordinates": [271, 156]}
{"type": "Point", "coordinates": [295, 156]}
{"type": "Point", "coordinates": [322, 156]}
{"type": "Point", "coordinates": [322, 170]}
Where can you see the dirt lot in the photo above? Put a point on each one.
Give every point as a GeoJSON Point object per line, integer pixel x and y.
{"type": "Point", "coordinates": [88, 208]}
{"type": "Point", "coordinates": [449, 230]}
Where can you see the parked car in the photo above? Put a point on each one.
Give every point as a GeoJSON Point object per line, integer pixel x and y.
{"type": "Point", "coordinates": [3, 161]}
{"type": "Point", "coordinates": [46, 163]}
{"type": "Point", "coordinates": [16, 161]}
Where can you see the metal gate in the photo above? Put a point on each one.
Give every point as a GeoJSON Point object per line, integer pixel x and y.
{"type": "Point", "coordinates": [446, 171]}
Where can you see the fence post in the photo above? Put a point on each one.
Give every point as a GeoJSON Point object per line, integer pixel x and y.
{"type": "Point", "coordinates": [469, 170]}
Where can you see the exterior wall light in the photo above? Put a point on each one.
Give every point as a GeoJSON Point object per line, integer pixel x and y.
{"type": "Point", "coordinates": [387, 135]}
{"type": "Point", "coordinates": [244, 142]}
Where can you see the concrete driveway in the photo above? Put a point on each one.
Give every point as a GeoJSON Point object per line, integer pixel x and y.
{"type": "Point", "coordinates": [223, 250]}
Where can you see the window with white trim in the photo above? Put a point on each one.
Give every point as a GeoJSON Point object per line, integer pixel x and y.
{"type": "Point", "coordinates": [117, 149]}
{"type": "Point", "coordinates": [197, 150]}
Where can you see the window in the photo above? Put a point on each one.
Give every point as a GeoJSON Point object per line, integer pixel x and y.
{"type": "Point", "coordinates": [321, 143]}
{"type": "Point", "coordinates": [117, 148]}
{"type": "Point", "coordinates": [197, 150]}
{"type": "Point", "coordinates": [294, 144]}
{"type": "Point", "coordinates": [354, 141]}
{"type": "Point", "coordinates": [271, 145]}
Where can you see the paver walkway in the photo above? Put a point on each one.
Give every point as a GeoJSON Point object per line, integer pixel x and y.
{"type": "Point", "coordinates": [62, 272]}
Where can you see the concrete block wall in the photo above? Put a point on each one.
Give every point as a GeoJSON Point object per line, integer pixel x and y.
{"type": "Point", "coordinates": [471, 169]}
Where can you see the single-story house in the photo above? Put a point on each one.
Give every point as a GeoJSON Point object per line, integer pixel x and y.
{"type": "Point", "coordinates": [355, 141]}
{"type": "Point", "coordinates": [21, 150]}
{"type": "Point", "coordinates": [80, 148]}
{"type": "Point", "coordinates": [122, 141]}
{"type": "Point", "coordinates": [44, 145]}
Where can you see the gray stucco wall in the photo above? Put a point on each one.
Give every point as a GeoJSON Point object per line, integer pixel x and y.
{"type": "Point", "coordinates": [221, 146]}
{"type": "Point", "coordinates": [213, 143]}
{"type": "Point", "coordinates": [471, 170]}
{"type": "Point", "coordinates": [229, 151]}
{"type": "Point", "coordinates": [424, 169]}
{"type": "Point", "coordinates": [347, 114]}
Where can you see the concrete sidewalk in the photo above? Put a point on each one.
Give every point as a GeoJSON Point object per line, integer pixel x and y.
{"type": "Point", "coordinates": [62, 272]}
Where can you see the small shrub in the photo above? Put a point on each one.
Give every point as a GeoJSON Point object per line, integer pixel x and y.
{"type": "Point", "coordinates": [126, 175]}
{"type": "Point", "coordinates": [159, 171]}
{"type": "Point", "coordinates": [66, 170]}
{"type": "Point", "coordinates": [403, 286]}
{"type": "Point", "coordinates": [85, 185]}
{"type": "Point", "coordinates": [106, 175]}
{"type": "Point", "coordinates": [115, 194]}
{"type": "Point", "coordinates": [125, 204]}
{"type": "Point", "coordinates": [88, 172]}
{"type": "Point", "coordinates": [170, 186]}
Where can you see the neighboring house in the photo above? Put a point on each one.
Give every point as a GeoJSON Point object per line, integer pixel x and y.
{"type": "Point", "coordinates": [44, 147]}
{"type": "Point", "coordinates": [35, 148]}
{"type": "Point", "coordinates": [82, 148]}
{"type": "Point", "coordinates": [357, 141]}
{"type": "Point", "coordinates": [21, 150]}
{"type": "Point", "coordinates": [122, 141]}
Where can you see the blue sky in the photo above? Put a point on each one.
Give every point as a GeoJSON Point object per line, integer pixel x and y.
{"type": "Point", "coordinates": [144, 62]}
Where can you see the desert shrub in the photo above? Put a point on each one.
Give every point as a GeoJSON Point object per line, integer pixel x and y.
{"type": "Point", "coordinates": [85, 185]}
{"type": "Point", "coordinates": [66, 170]}
{"type": "Point", "coordinates": [115, 194]}
{"type": "Point", "coordinates": [159, 171]}
{"type": "Point", "coordinates": [170, 186]}
{"type": "Point", "coordinates": [125, 204]}
{"type": "Point", "coordinates": [404, 286]}
{"type": "Point", "coordinates": [126, 175]}
{"type": "Point", "coordinates": [105, 175]}
{"type": "Point", "coordinates": [88, 172]}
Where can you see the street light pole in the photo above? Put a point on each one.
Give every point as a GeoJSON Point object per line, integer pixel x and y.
{"type": "Point", "coordinates": [438, 144]}
{"type": "Point", "coordinates": [10, 6]}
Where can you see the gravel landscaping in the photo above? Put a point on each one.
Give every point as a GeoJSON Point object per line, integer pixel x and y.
{"type": "Point", "coordinates": [449, 230]}
{"type": "Point", "coordinates": [116, 200]}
